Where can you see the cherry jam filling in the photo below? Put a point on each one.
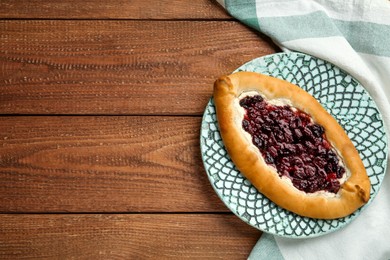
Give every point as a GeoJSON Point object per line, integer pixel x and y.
{"type": "Point", "coordinates": [289, 141]}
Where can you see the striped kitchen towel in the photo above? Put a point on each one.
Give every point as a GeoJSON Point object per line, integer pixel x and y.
{"type": "Point", "coordinates": [355, 36]}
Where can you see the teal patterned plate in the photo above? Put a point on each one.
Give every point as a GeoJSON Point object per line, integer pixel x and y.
{"type": "Point", "coordinates": [344, 98]}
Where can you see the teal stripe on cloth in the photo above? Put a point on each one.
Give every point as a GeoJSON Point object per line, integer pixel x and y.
{"type": "Point", "coordinates": [245, 11]}
{"type": "Point", "coordinates": [365, 37]}
{"type": "Point", "coordinates": [266, 249]}
{"type": "Point", "coordinates": [371, 38]}
{"type": "Point", "coordinates": [286, 28]}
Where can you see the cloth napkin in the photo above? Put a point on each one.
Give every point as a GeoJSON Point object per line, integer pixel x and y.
{"type": "Point", "coordinates": [355, 36]}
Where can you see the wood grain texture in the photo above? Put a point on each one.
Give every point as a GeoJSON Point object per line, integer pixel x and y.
{"type": "Point", "coordinates": [118, 67]}
{"type": "Point", "coordinates": [103, 164]}
{"type": "Point", "coordinates": [114, 9]}
{"type": "Point", "coordinates": [125, 237]}
{"type": "Point", "coordinates": [119, 175]}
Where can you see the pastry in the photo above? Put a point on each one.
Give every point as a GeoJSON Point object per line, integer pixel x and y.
{"type": "Point", "coordinates": [289, 147]}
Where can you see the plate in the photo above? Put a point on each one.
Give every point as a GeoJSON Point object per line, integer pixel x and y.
{"type": "Point", "coordinates": [343, 97]}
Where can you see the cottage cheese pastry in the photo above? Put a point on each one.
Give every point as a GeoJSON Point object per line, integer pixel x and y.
{"type": "Point", "coordinates": [289, 147]}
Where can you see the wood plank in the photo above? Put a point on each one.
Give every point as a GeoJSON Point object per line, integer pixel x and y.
{"type": "Point", "coordinates": [100, 67]}
{"type": "Point", "coordinates": [114, 9]}
{"type": "Point", "coordinates": [103, 164]}
{"type": "Point", "coordinates": [139, 236]}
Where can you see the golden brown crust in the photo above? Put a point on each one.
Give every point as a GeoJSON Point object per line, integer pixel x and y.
{"type": "Point", "coordinates": [355, 191]}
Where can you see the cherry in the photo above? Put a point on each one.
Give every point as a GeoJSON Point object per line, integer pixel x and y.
{"type": "Point", "coordinates": [289, 141]}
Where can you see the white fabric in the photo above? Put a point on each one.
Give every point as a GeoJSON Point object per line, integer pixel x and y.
{"type": "Point", "coordinates": [376, 11]}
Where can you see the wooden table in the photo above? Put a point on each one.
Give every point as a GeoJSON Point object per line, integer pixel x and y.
{"type": "Point", "coordinates": [101, 105]}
